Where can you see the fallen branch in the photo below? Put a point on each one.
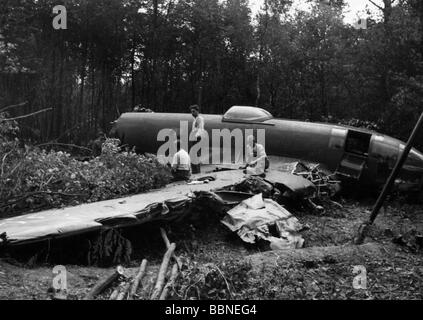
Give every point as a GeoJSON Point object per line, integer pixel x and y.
{"type": "Point", "coordinates": [167, 243]}
{"type": "Point", "coordinates": [64, 145]}
{"type": "Point", "coordinates": [376, 5]}
{"type": "Point", "coordinates": [171, 282]}
{"type": "Point", "coordinates": [4, 161]}
{"type": "Point", "coordinates": [138, 279]}
{"type": "Point", "coordinates": [28, 115]}
{"type": "Point", "coordinates": [104, 284]}
{"type": "Point", "coordinates": [162, 273]}
{"type": "Point", "coordinates": [14, 106]}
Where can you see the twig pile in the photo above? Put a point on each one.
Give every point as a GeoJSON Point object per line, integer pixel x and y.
{"type": "Point", "coordinates": [127, 287]}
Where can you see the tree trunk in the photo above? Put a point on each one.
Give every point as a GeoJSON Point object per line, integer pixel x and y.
{"type": "Point", "coordinates": [133, 72]}
{"type": "Point", "coordinates": [258, 92]}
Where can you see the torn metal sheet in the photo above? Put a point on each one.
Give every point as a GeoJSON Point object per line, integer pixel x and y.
{"type": "Point", "coordinates": [295, 186]}
{"type": "Point", "coordinates": [286, 184]}
{"type": "Point", "coordinates": [253, 218]}
{"type": "Point", "coordinates": [233, 197]}
{"type": "Point", "coordinates": [255, 185]}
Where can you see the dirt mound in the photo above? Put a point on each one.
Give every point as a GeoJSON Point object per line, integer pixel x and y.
{"type": "Point", "coordinates": [315, 255]}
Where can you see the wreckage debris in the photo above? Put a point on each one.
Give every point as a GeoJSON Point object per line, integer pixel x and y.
{"type": "Point", "coordinates": [326, 185]}
{"type": "Point", "coordinates": [254, 218]}
{"type": "Point", "coordinates": [254, 185]}
{"type": "Point", "coordinates": [295, 189]}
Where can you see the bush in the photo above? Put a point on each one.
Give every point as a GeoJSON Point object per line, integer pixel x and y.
{"type": "Point", "coordinates": [353, 122]}
{"type": "Point", "coordinates": [32, 178]}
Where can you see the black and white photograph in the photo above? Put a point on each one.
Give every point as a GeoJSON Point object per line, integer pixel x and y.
{"type": "Point", "coordinates": [228, 152]}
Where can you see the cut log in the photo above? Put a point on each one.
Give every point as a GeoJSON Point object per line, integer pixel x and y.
{"type": "Point", "coordinates": [124, 292]}
{"type": "Point", "coordinates": [171, 282]}
{"type": "Point", "coordinates": [138, 279]}
{"type": "Point", "coordinates": [104, 284]}
{"type": "Point", "coordinates": [162, 273]}
{"type": "Point", "coordinates": [114, 294]}
{"type": "Point", "coordinates": [167, 243]}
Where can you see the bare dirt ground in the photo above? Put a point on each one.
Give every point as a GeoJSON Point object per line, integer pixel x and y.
{"type": "Point", "coordinates": [217, 267]}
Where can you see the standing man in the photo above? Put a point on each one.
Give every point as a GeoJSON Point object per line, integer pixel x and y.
{"type": "Point", "coordinates": [196, 132]}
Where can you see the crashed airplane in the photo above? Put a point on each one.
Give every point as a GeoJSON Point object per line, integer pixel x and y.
{"type": "Point", "coordinates": [355, 153]}
{"type": "Point", "coordinates": [363, 155]}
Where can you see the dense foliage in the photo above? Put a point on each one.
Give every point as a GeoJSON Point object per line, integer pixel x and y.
{"type": "Point", "coordinates": [32, 178]}
{"type": "Point", "coordinates": [168, 54]}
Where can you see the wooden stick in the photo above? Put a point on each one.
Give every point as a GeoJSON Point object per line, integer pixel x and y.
{"type": "Point", "coordinates": [28, 115]}
{"type": "Point", "coordinates": [162, 273]}
{"type": "Point", "coordinates": [167, 243]}
{"type": "Point", "coordinates": [14, 106]}
{"type": "Point", "coordinates": [138, 279]}
{"type": "Point", "coordinates": [104, 284]}
{"type": "Point", "coordinates": [165, 238]}
{"type": "Point", "coordinates": [124, 292]}
{"type": "Point", "coordinates": [114, 294]}
{"type": "Point", "coordinates": [63, 145]}
{"type": "Point", "coordinates": [171, 282]}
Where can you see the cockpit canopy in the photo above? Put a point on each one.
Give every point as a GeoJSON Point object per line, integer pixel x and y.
{"type": "Point", "coordinates": [246, 114]}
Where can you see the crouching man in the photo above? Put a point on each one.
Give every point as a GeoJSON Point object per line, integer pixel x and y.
{"type": "Point", "coordinates": [257, 160]}
{"type": "Point", "coordinates": [181, 164]}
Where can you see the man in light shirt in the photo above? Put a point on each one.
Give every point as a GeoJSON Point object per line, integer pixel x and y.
{"type": "Point", "coordinates": [256, 157]}
{"type": "Point", "coordinates": [181, 164]}
{"type": "Point", "coordinates": [198, 123]}
{"type": "Point", "coordinates": [196, 132]}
